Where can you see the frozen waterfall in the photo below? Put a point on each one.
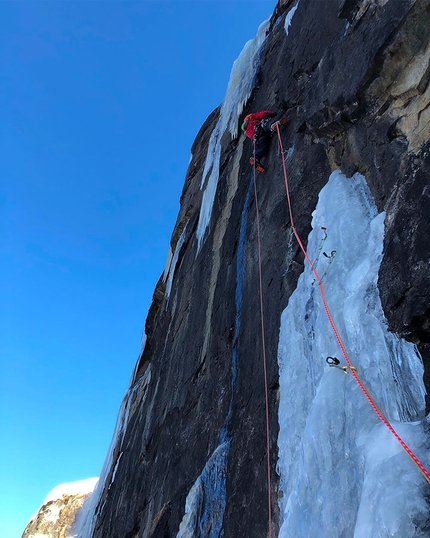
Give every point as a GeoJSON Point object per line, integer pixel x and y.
{"type": "Point", "coordinates": [342, 473]}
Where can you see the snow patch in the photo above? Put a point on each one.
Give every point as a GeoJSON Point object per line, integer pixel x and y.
{"type": "Point", "coordinates": [82, 487]}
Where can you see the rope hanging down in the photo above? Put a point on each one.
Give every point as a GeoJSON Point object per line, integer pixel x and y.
{"type": "Point", "coordinates": [353, 371]}
{"type": "Point", "coordinates": [263, 342]}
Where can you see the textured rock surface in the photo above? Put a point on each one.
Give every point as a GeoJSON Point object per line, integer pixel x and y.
{"type": "Point", "coordinates": [353, 78]}
{"type": "Point", "coordinates": [56, 516]}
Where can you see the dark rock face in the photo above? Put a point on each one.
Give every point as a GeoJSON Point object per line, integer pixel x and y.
{"type": "Point", "coordinates": [353, 79]}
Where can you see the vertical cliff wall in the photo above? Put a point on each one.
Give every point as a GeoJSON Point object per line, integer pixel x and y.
{"type": "Point", "coordinates": [189, 454]}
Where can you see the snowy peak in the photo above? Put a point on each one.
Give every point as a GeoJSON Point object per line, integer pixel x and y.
{"type": "Point", "coordinates": [57, 515]}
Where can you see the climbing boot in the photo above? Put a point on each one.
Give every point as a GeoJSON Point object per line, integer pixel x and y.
{"type": "Point", "coordinates": [257, 164]}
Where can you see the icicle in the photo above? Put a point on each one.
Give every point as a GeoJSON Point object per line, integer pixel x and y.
{"type": "Point", "coordinates": [289, 18]}
{"type": "Point", "coordinates": [240, 86]}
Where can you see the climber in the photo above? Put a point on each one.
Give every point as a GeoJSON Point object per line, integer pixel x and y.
{"type": "Point", "coordinates": [258, 127]}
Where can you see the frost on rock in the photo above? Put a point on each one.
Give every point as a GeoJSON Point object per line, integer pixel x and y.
{"type": "Point", "coordinates": [87, 516]}
{"type": "Point", "coordinates": [289, 18]}
{"type": "Point", "coordinates": [341, 471]}
{"type": "Point", "coordinates": [240, 86]}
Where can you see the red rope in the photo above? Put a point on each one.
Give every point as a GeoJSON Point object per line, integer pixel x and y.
{"type": "Point", "coordinates": [336, 332]}
{"type": "Point", "coordinates": [263, 341]}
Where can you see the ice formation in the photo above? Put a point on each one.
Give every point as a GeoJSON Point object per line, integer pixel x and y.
{"type": "Point", "coordinates": [205, 503]}
{"type": "Point", "coordinates": [342, 473]}
{"type": "Point", "coordinates": [289, 18]}
{"type": "Point", "coordinates": [241, 83]}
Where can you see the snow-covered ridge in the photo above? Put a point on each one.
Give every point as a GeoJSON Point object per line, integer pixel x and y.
{"type": "Point", "coordinates": [82, 487]}
{"type": "Point", "coordinates": [341, 471]}
{"type": "Point", "coordinates": [241, 83]}
{"type": "Point", "coordinates": [59, 510]}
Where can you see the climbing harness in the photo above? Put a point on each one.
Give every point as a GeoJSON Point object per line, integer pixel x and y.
{"type": "Point", "coordinates": [263, 342]}
{"type": "Point", "coordinates": [353, 370]}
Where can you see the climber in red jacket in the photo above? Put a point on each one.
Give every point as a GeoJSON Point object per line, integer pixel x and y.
{"type": "Point", "coordinates": [257, 127]}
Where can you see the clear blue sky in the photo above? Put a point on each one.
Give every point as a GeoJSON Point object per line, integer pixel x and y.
{"type": "Point", "coordinates": [100, 104]}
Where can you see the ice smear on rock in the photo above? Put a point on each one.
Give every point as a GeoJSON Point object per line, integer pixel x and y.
{"type": "Point", "coordinates": [207, 493]}
{"type": "Point", "coordinates": [240, 86]}
{"type": "Point", "coordinates": [341, 472]}
{"type": "Point", "coordinates": [289, 18]}
{"type": "Point", "coordinates": [206, 501]}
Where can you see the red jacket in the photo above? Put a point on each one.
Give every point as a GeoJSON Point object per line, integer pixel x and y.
{"type": "Point", "coordinates": [252, 120]}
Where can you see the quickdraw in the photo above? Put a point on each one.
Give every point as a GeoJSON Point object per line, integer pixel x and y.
{"type": "Point", "coordinates": [334, 362]}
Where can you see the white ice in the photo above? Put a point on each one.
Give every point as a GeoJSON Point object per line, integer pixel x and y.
{"type": "Point", "coordinates": [289, 18]}
{"type": "Point", "coordinates": [341, 471]}
{"type": "Point", "coordinates": [205, 503]}
{"type": "Point", "coordinates": [240, 86]}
